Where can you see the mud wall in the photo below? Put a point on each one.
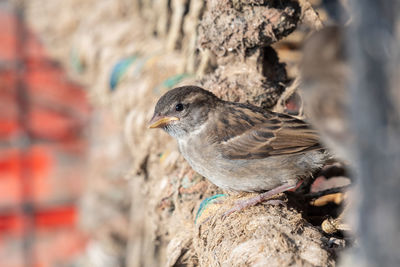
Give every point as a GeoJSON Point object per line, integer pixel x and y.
{"type": "Point", "coordinates": [141, 203]}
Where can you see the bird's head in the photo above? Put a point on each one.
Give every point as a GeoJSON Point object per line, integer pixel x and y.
{"type": "Point", "coordinates": [183, 110]}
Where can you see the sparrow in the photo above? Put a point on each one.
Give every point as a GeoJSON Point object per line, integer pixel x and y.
{"type": "Point", "coordinates": [239, 147]}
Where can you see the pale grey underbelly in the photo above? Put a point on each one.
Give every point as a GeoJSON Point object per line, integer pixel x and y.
{"type": "Point", "coordinates": [249, 175]}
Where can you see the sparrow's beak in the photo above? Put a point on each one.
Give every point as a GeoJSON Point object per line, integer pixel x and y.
{"type": "Point", "coordinates": [160, 121]}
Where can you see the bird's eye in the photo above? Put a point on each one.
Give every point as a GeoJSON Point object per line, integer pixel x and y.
{"type": "Point", "coordinates": [179, 107]}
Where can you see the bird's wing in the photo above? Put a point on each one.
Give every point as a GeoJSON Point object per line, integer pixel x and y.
{"type": "Point", "coordinates": [278, 134]}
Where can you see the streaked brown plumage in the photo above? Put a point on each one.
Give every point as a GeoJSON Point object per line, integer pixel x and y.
{"type": "Point", "coordinates": [238, 147]}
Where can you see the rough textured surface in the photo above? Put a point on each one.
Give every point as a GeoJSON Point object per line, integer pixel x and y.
{"type": "Point", "coordinates": [139, 177]}
{"type": "Point", "coordinates": [234, 26]}
{"type": "Point", "coordinates": [239, 34]}
{"type": "Point", "coordinates": [259, 79]}
{"type": "Point", "coordinates": [241, 239]}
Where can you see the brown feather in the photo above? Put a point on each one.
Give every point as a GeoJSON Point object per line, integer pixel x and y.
{"type": "Point", "coordinates": [256, 133]}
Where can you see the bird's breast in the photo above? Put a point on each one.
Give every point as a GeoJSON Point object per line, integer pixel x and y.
{"type": "Point", "coordinates": [232, 175]}
{"type": "Point", "coordinates": [198, 154]}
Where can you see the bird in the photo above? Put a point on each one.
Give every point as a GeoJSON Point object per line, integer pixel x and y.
{"type": "Point", "coordinates": [239, 147]}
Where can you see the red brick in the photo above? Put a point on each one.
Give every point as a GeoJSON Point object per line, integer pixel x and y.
{"type": "Point", "coordinates": [36, 165]}
{"type": "Point", "coordinates": [11, 223]}
{"type": "Point", "coordinates": [56, 217]}
{"type": "Point", "coordinates": [8, 128]}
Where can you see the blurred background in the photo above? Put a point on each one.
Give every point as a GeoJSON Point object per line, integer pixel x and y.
{"type": "Point", "coordinates": [43, 150]}
{"type": "Point", "coordinates": [82, 180]}
{"type": "Point", "coordinates": [72, 176]}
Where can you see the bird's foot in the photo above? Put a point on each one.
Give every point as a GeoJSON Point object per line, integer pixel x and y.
{"type": "Point", "coordinates": [242, 204]}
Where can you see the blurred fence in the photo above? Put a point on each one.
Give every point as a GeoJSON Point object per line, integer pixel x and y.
{"type": "Point", "coordinates": [42, 148]}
